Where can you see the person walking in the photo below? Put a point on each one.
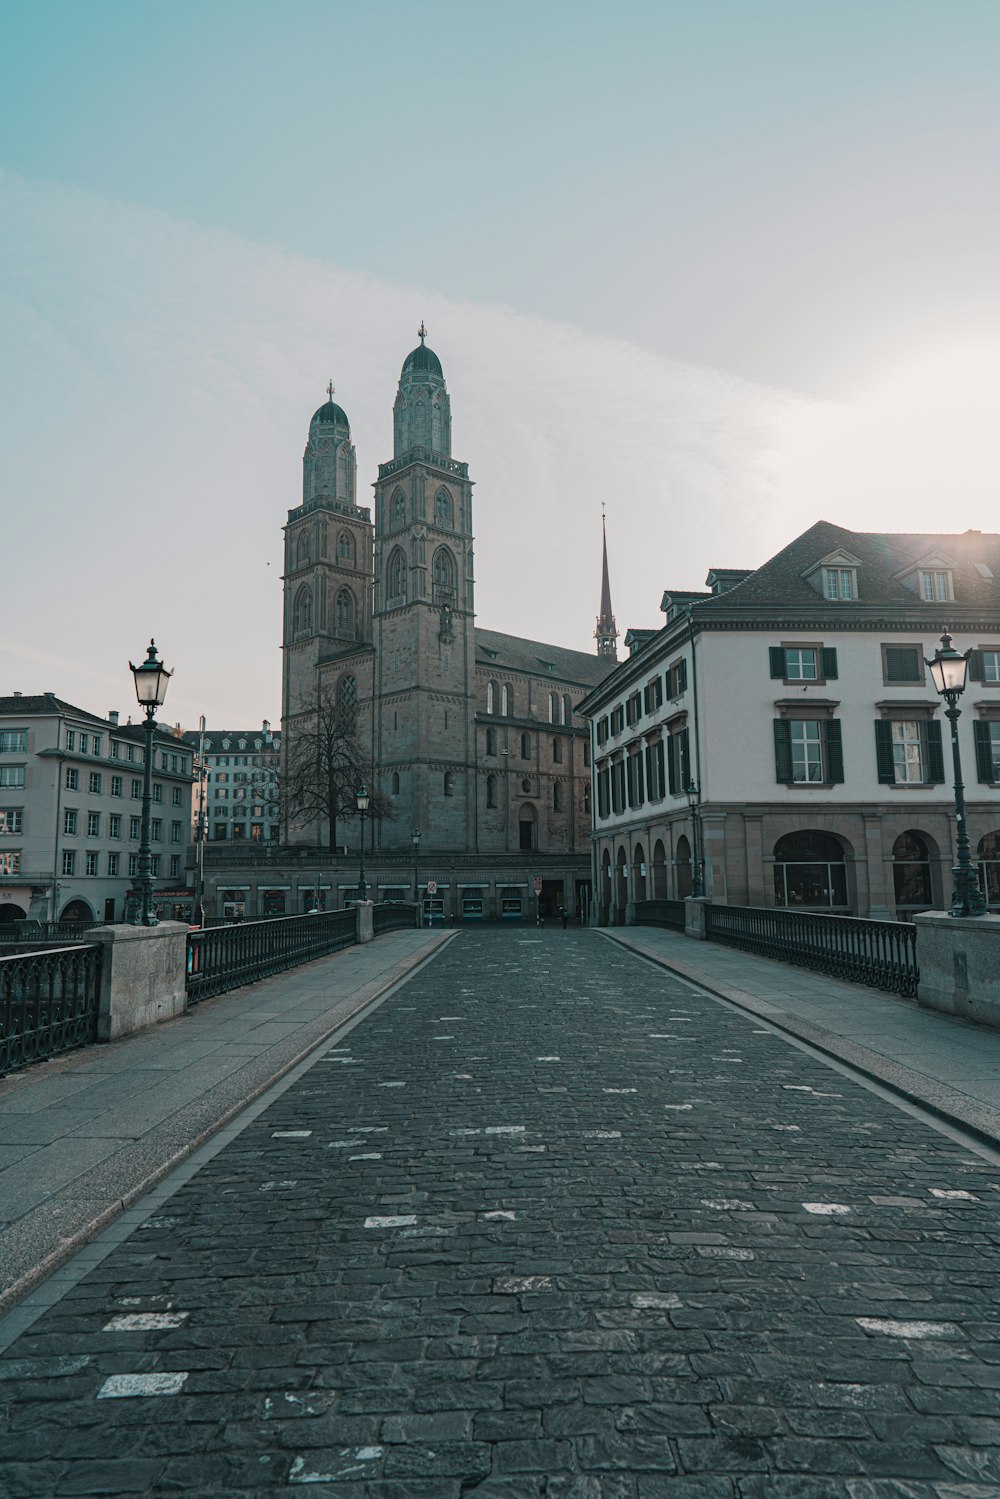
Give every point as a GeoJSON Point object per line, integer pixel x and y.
{"type": "Point", "coordinates": [564, 918]}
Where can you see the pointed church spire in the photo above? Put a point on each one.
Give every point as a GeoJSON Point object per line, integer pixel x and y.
{"type": "Point", "coordinates": [606, 633]}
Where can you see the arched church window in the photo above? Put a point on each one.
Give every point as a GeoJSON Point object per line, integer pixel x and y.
{"type": "Point", "coordinates": [397, 509]}
{"type": "Point", "coordinates": [443, 509]}
{"type": "Point", "coordinates": [557, 796]}
{"type": "Point", "coordinates": [395, 783]}
{"type": "Point", "coordinates": [567, 709]}
{"type": "Point", "coordinates": [526, 828]}
{"type": "Point", "coordinates": [449, 783]}
{"type": "Point", "coordinates": [525, 746]}
{"type": "Point", "coordinates": [491, 741]}
{"type": "Point", "coordinates": [505, 700]}
{"type": "Point", "coordinates": [345, 612]}
{"type": "Point", "coordinates": [303, 550]}
{"type": "Point", "coordinates": [347, 693]}
{"type": "Point", "coordinates": [553, 708]}
{"type": "Point", "coordinates": [491, 791]}
{"type": "Point", "coordinates": [491, 697]}
{"type": "Point", "coordinates": [444, 574]}
{"type": "Point", "coordinates": [396, 575]}
{"type": "Point", "coordinates": [345, 547]}
{"type": "Point", "coordinates": [302, 612]}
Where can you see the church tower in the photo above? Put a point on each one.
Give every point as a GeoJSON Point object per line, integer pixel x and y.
{"type": "Point", "coordinates": [423, 626]}
{"type": "Point", "coordinates": [606, 633]}
{"type": "Point", "coordinates": [327, 575]}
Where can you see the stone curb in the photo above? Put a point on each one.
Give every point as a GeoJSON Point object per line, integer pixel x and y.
{"type": "Point", "coordinates": [937, 1098]}
{"type": "Point", "coordinates": [51, 1233]}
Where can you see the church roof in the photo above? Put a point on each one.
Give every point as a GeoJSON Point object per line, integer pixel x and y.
{"type": "Point", "coordinates": [331, 412]}
{"type": "Point", "coordinates": [423, 361]}
{"type": "Point", "coordinates": [539, 659]}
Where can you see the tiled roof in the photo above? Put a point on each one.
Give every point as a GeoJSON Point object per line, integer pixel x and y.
{"type": "Point", "coordinates": [36, 704]}
{"type": "Point", "coordinates": [881, 558]}
{"type": "Point", "coordinates": [536, 658]}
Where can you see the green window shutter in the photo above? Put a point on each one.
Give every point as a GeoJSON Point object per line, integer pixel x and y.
{"type": "Point", "coordinates": [883, 751]}
{"type": "Point", "coordinates": [649, 769]}
{"type": "Point", "coordinates": [684, 764]}
{"type": "Point", "coordinates": [777, 661]}
{"type": "Point", "coordinates": [984, 750]}
{"type": "Point", "coordinates": [682, 677]}
{"type": "Point", "coordinates": [639, 789]}
{"type": "Point", "coordinates": [829, 666]}
{"type": "Point", "coordinates": [935, 754]}
{"type": "Point", "coordinates": [672, 764]}
{"type": "Point", "coordinates": [976, 665]}
{"type": "Point", "coordinates": [660, 773]}
{"type": "Point", "coordinates": [783, 751]}
{"type": "Point", "coordinates": [834, 749]}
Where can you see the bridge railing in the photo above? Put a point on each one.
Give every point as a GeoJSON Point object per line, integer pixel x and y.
{"type": "Point", "coordinates": [668, 913]}
{"type": "Point", "coordinates": [48, 1003]}
{"type": "Point", "coordinates": [880, 954]}
{"type": "Point", "coordinates": [393, 916]}
{"type": "Point", "coordinates": [227, 957]}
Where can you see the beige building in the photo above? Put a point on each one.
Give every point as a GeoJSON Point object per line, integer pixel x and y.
{"type": "Point", "coordinates": [781, 730]}
{"type": "Point", "coordinates": [473, 734]}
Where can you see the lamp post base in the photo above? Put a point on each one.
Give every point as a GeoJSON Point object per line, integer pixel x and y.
{"type": "Point", "coordinates": [968, 899]}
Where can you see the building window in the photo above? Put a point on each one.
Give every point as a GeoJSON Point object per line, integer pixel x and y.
{"type": "Point", "coordinates": [678, 773]}
{"type": "Point", "coordinates": [84, 743]}
{"type": "Point", "coordinates": [840, 583]}
{"type": "Point", "coordinates": [133, 865]}
{"type": "Point", "coordinates": [175, 832]}
{"type": "Point", "coordinates": [491, 697]}
{"type": "Point", "coordinates": [525, 746]}
{"type": "Point", "coordinates": [567, 714]}
{"type": "Point", "coordinates": [72, 779]}
{"type": "Point", "coordinates": [135, 827]}
{"type": "Point", "coordinates": [116, 785]}
{"type": "Point", "coordinates": [810, 870]}
{"type": "Point", "coordinates": [677, 680]}
{"type": "Point", "coordinates": [491, 742]}
{"type": "Point", "coordinates": [449, 783]}
{"type": "Point", "coordinates": [116, 750]}
{"type": "Point", "coordinates": [136, 790]}
{"type": "Point", "coordinates": [113, 862]}
{"type": "Point", "coordinates": [70, 739]}
{"type": "Point", "coordinates": [157, 791]}
{"type": "Point", "coordinates": [911, 872]}
{"type": "Point", "coordinates": [12, 820]}
{"type": "Point", "coordinates": [633, 708]}
{"type": "Point", "coordinates": [175, 865]}
{"type": "Point", "coordinates": [656, 783]}
{"type": "Point", "coordinates": [302, 553]}
{"type": "Point", "coordinates": [220, 831]}
{"type": "Point", "coordinates": [156, 829]}
{"type": "Point", "coordinates": [935, 585]}
{"type": "Point", "coordinates": [803, 663]}
{"type": "Point", "coordinates": [10, 861]}
{"type": "Point", "coordinates": [69, 861]}
{"type": "Point", "coordinates": [505, 701]}
{"type": "Point", "coordinates": [90, 861]}
{"type": "Point", "coordinates": [989, 867]}
{"type": "Point", "coordinates": [94, 783]}
{"type": "Point", "coordinates": [902, 664]}
{"type": "Point", "coordinates": [987, 732]}
{"type": "Point", "coordinates": [908, 751]}
{"type": "Point", "coordinates": [553, 708]}
{"type": "Point", "coordinates": [70, 820]}
{"type": "Point", "coordinates": [155, 871]}
{"type": "Point", "coordinates": [302, 611]}
{"type": "Point", "coordinates": [808, 750]}
{"type": "Point", "coordinates": [556, 750]}
{"type": "Point", "coordinates": [603, 792]}
{"type": "Point", "coordinates": [443, 509]}
{"type": "Point", "coordinates": [617, 720]}
{"type": "Point", "coordinates": [347, 693]}
{"type": "Point", "coordinates": [345, 547]}
{"type": "Point", "coordinates": [443, 573]}
{"type": "Point", "coordinates": [345, 612]}
{"type": "Point", "coordinates": [527, 824]}
{"type": "Point", "coordinates": [491, 791]}
{"type": "Point", "coordinates": [175, 796]}
{"type": "Point", "coordinates": [93, 824]}
{"type": "Point", "coordinates": [115, 825]}
{"type": "Point", "coordinates": [13, 741]}
{"type": "Point", "coordinates": [652, 695]}
{"type": "Point", "coordinates": [398, 508]}
{"type": "Point", "coordinates": [557, 796]}
{"type": "Point", "coordinates": [603, 730]}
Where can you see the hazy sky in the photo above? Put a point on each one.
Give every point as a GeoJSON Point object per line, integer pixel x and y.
{"type": "Point", "coordinates": [726, 267]}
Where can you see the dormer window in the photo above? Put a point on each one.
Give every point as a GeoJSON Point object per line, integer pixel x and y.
{"type": "Point", "coordinates": [840, 583]}
{"type": "Point", "coordinates": [935, 585]}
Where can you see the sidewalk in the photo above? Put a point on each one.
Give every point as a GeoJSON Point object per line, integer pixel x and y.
{"type": "Point", "coordinates": [86, 1134]}
{"type": "Point", "coordinates": [950, 1067]}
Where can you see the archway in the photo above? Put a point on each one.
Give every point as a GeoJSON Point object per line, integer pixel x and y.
{"type": "Point", "coordinates": [9, 913]}
{"type": "Point", "coordinates": [527, 825]}
{"type": "Point", "coordinates": [621, 885]}
{"type": "Point", "coordinates": [77, 910]}
{"type": "Point", "coordinates": [682, 867]}
{"type": "Point", "coordinates": [638, 873]}
{"type": "Point", "coordinates": [810, 869]}
{"type": "Point", "coordinates": [911, 873]}
{"type": "Point", "coordinates": [659, 870]}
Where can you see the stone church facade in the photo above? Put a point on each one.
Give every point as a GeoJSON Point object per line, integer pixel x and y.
{"type": "Point", "coordinates": [473, 734]}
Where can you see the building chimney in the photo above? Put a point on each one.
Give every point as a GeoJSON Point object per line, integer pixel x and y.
{"type": "Point", "coordinates": [18, 694]}
{"type": "Point", "coordinates": [113, 718]}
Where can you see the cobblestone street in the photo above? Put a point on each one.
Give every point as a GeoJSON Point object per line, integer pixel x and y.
{"type": "Point", "coordinates": [546, 1222]}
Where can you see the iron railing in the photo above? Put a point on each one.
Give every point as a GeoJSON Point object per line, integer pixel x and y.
{"type": "Point", "coordinates": [393, 916]}
{"type": "Point", "coordinates": [27, 931]}
{"type": "Point", "coordinates": [660, 913]}
{"type": "Point", "coordinates": [48, 1004]}
{"type": "Point", "coordinates": [227, 957]}
{"type": "Point", "coordinates": [881, 954]}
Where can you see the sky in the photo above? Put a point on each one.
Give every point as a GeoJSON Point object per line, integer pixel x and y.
{"type": "Point", "coordinates": [724, 269]}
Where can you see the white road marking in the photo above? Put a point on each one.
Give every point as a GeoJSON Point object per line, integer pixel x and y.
{"type": "Point", "coordinates": [403, 1220]}
{"type": "Point", "coordinates": [896, 1329]}
{"type": "Point", "coordinates": [145, 1321]}
{"type": "Point", "coordinates": [124, 1386]}
{"type": "Point", "coordinates": [826, 1209]}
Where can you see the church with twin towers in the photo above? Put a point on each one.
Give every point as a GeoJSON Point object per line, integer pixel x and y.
{"type": "Point", "coordinates": [472, 734]}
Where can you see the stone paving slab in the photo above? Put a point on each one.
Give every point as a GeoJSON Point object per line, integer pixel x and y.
{"type": "Point", "coordinates": [160, 1093]}
{"type": "Point", "coordinates": [546, 1222]}
{"type": "Point", "coordinates": [945, 1064]}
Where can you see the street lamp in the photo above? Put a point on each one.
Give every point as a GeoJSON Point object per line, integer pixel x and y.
{"type": "Point", "coordinates": [949, 672]}
{"type": "Point", "coordinates": [151, 678]}
{"type": "Point", "coordinates": [362, 800]}
{"type": "Point", "coordinates": [415, 840]}
{"type": "Point", "coordinates": [693, 793]}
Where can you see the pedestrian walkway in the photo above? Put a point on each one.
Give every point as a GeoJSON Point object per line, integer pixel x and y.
{"type": "Point", "coordinates": [546, 1222]}
{"type": "Point", "coordinates": [85, 1134]}
{"type": "Point", "coordinates": [947, 1065]}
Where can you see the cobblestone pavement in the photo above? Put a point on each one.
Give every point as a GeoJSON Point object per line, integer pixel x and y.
{"type": "Point", "coordinates": [546, 1223]}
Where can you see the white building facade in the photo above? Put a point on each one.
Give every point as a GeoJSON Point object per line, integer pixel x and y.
{"type": "Point", "coordinates": [782, 730]}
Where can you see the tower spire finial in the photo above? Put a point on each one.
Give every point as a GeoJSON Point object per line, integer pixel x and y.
{"type": "Point", "coordinates": [421, 331]}
{"type": "Point", "coordinates": [330, 389]}
{"type": "Point", "coordinates": [606, 633]}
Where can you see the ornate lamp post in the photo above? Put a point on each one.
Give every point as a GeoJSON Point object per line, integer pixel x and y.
{"type": "Point", "coordinates": [415, 840]}
{"type": "Point", "coordinates": [949, 673]}
{"type": "Point", "coordinates": [362, 800]}
{"type": "Point", "coordinates": [151, 678]}
{"type": "Point", "coordinates": [693, 793]}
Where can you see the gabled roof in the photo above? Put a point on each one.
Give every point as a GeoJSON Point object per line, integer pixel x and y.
{"type": "Point", "coordinates": [539, 659]}
{"type": "Point", "coordinates": [39, 704]}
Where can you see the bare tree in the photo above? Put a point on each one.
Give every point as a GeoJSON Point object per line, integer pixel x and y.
{"type": "Point", "coordinates": [325, 765]}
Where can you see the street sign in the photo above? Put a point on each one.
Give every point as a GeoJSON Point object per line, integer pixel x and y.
{"type": "Point", "coordinates": [538, 884]}
{"type": "Point", "coordinates": [432, 887]}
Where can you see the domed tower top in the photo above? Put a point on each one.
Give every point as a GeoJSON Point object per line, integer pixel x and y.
{"type": "Point", "coordinates": [422, 413]}
{"type": "Point", "coordinates": [329, 468]}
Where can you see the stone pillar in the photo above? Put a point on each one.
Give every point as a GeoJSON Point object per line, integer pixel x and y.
{"type": "Point", "coordinates": [753, 834]}
{"type": "Point", "coordinates": [143, 970]}
{"type": "Point", "coordinates": [878, 907]}
{"type": "Point", "coordinates": [959, 958]}
{"type": "Point", "coordinates": [694, 916]}
{"type": "Point", "coordinates": [364, 915]}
